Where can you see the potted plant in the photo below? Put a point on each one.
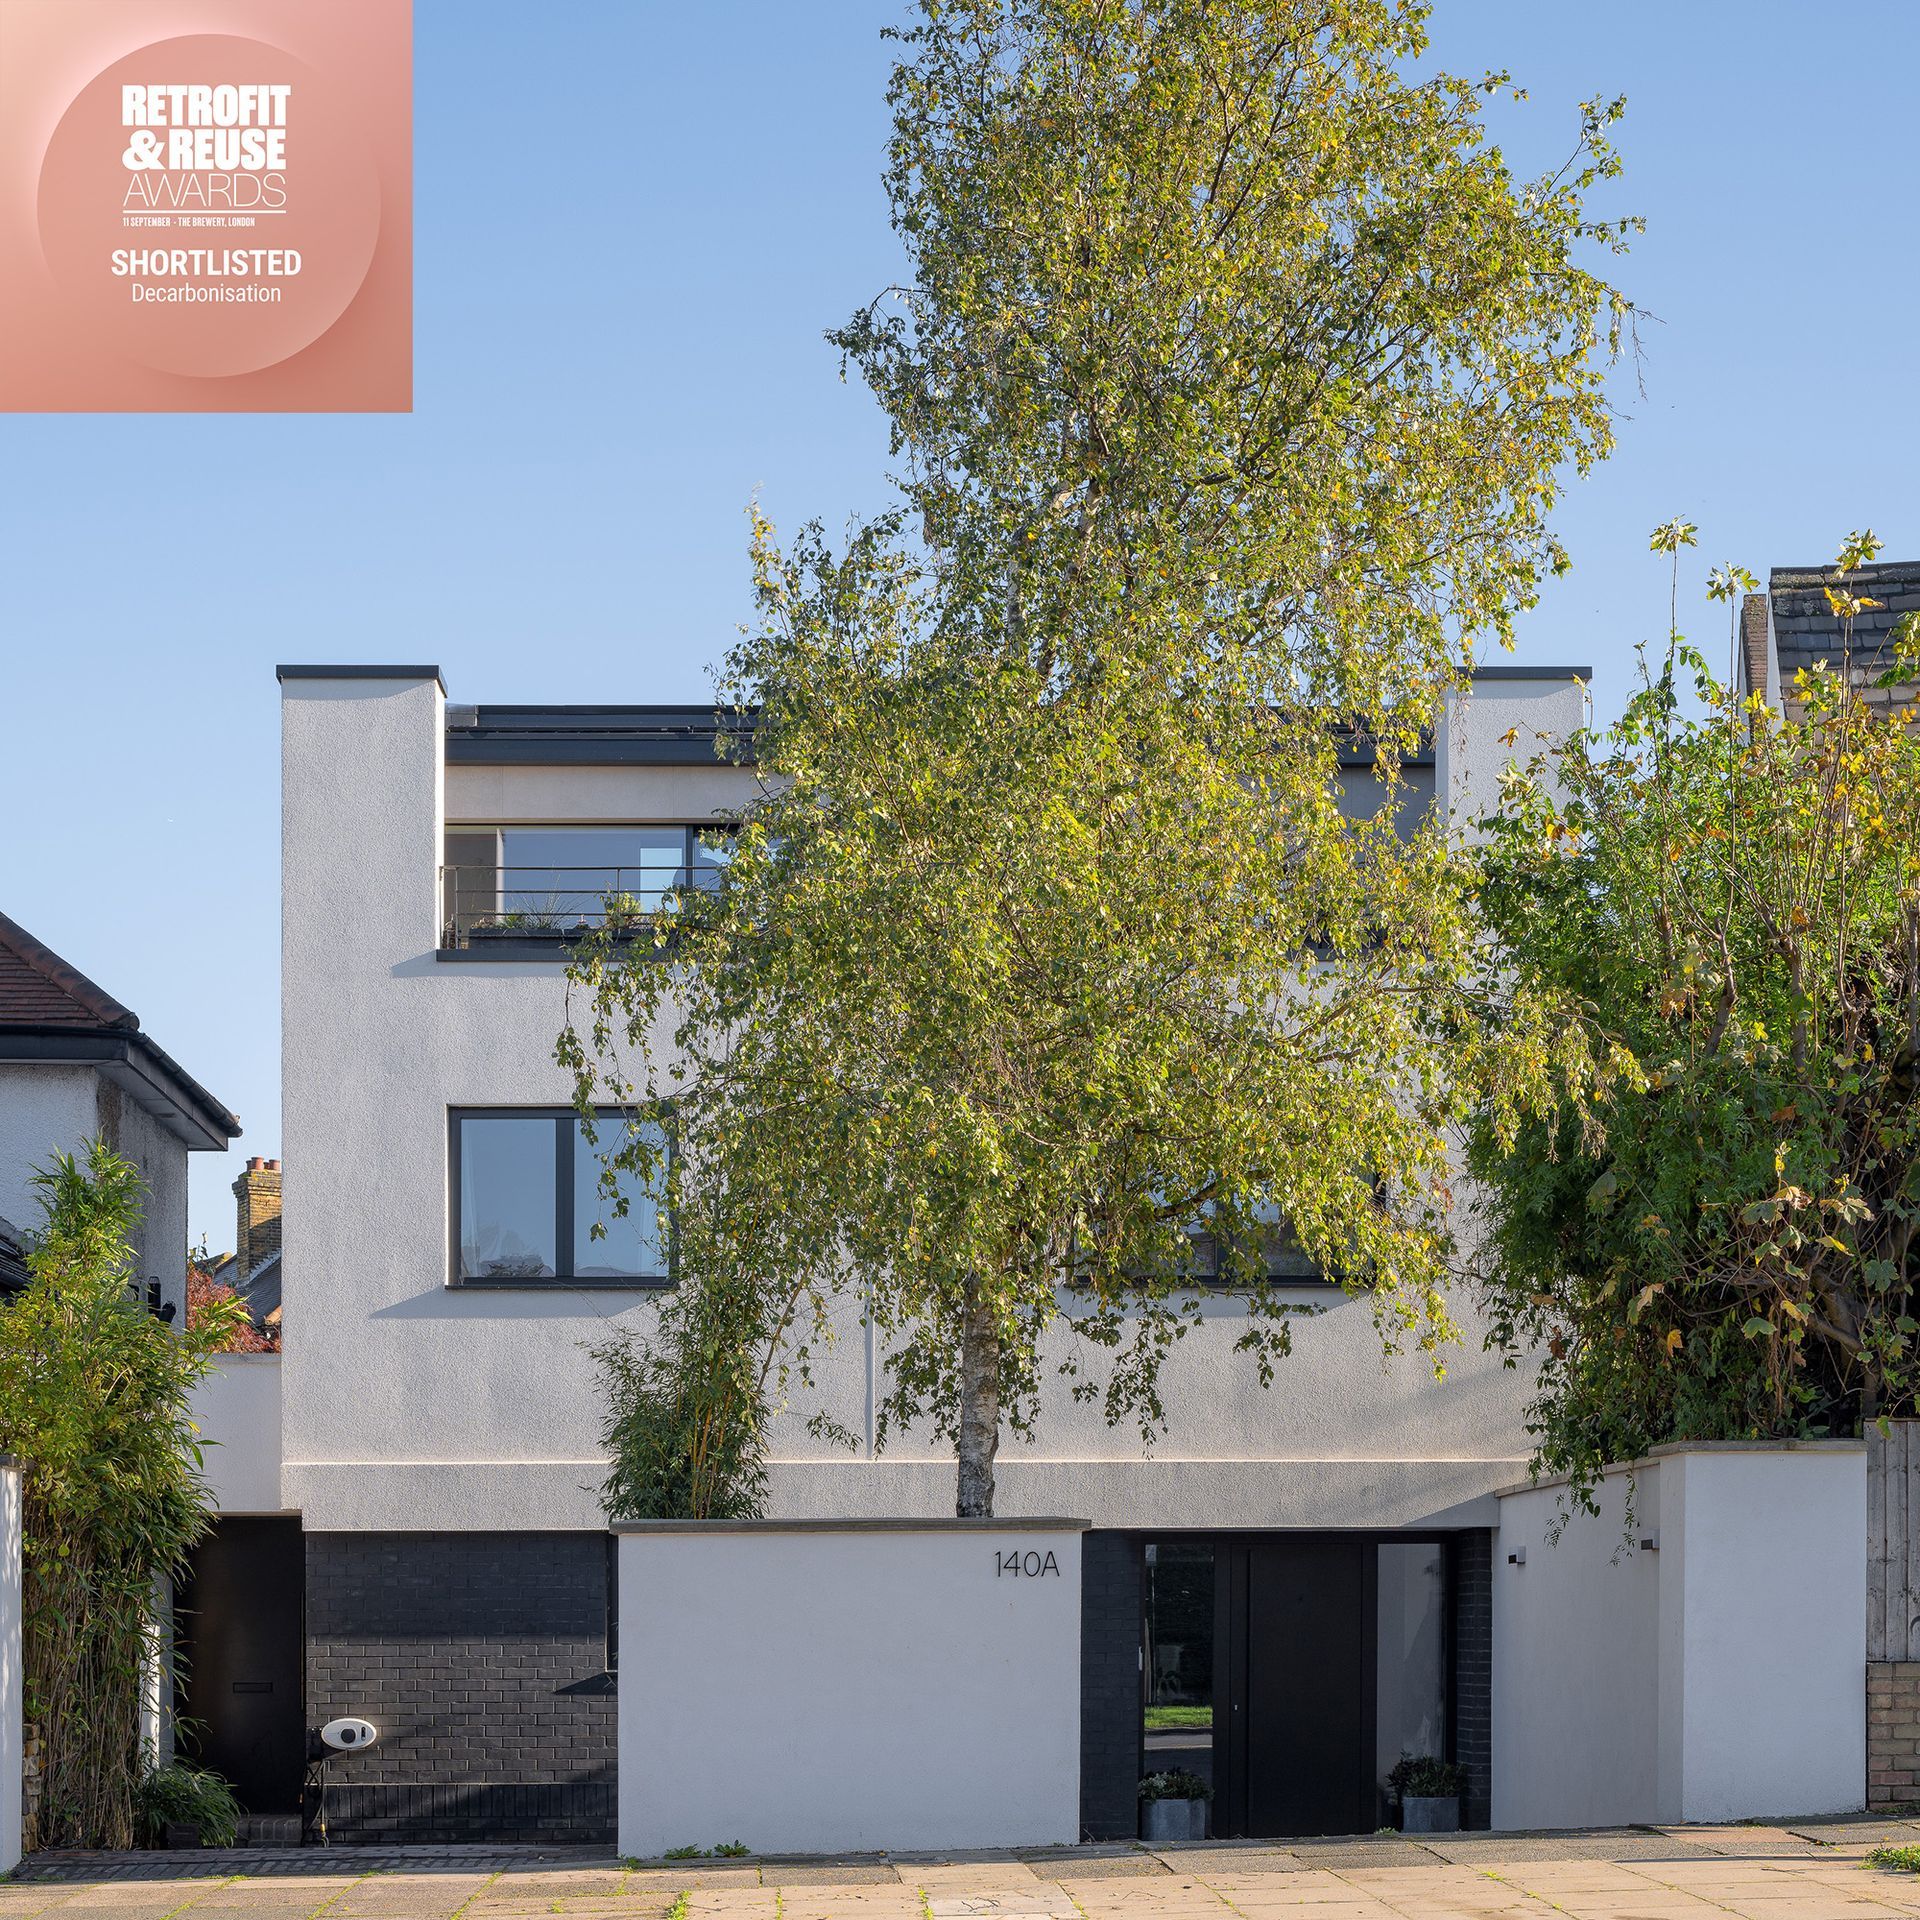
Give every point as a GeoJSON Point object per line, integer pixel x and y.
{"type": "Point", "coordinates": [1173, 1806]}
{"type": "Point", "coordinates": [182, 1806]}
{"type": "Point", "coordinates": [1429, 1793]}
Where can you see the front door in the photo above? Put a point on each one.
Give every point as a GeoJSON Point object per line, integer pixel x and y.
{"type": "Point", "coordinates": [1296, 1623]}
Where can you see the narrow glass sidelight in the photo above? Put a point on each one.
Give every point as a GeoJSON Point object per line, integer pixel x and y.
{"type": "Point", "coordinates": [1177, 1654]}
{"type": "Point", "coordinates": [1410, 1698]}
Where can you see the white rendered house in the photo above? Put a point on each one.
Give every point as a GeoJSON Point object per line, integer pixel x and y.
{"type": "Point", "coordinates": [436, 1423]}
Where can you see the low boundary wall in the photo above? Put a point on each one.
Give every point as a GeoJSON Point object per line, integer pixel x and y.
{"type": "Point", "coordinates": [849, 1686]}
{"type": "Point", "coordinates": [1706, 1663]}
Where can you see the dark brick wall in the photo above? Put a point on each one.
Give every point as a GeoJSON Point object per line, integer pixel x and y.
{"type": "Point", "coordinates": [1473, 1672]}
{"type": "Point", "coordinates": [1109, 1685]}
{"type": "Point", "coordinates": [482, 1658]}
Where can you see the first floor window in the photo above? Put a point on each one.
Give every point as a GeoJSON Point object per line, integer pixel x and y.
{"type": "Point", "coordinates": [529, 1204]}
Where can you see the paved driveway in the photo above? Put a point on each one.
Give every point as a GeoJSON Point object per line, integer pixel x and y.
{"type": "Point", "coordinates": [1806, 1871]}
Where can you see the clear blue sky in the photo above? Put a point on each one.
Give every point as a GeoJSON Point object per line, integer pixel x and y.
{"type": "Point", "coordinates": [619, 340]}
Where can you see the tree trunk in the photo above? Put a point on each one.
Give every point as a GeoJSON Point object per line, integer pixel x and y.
{"type": "Point", "coordinates": [979, 1408]}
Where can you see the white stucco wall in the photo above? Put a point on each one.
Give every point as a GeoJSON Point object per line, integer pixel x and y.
{"type": "Point", "coordinates": [409, 1404]}
{"type": "Point", "coordinates": [1719, 1676]}
{"type": "Point", "coordinates": [237, 1410]}
{"type": "Point", "coordinates": [920, 1697]}
{"type": "Point", "coordinates": [1471, 749]}
{"type": "Point", "coordinates": [12, 1672]}
{"type": "Point", "coordinates": [46, 1110]}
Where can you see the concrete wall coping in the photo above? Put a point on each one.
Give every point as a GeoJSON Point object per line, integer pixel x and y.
{"type": "Point", "coordinates": [1672, 1447]}
{"type": "Point", "coordinates": [1012, 1523]}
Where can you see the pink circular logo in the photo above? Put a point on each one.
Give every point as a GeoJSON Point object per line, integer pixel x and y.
{"type": "Point", "coordinates": [208, 206]}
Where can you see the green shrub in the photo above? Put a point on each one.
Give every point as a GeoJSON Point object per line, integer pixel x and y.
{"type": "Point", "coordinates": [1420, 1777]}
{"type": "Point", "coordinates": [183, 1796]}
{"type": "Point", "coordinates": [1177, 1784]}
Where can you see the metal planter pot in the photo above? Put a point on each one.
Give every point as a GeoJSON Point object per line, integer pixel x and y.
{"type": "Point", "coordinates": [1420, 1815]}
{"type": "Point", "coordinates": [1168, 1820]}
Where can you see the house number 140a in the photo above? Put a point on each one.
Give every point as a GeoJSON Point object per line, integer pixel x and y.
{"type": "Point", "coordinates": [1026, 1566]}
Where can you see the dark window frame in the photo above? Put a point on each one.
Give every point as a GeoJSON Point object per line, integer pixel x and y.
{"type": "Point", "coordinates": [566, 1140]}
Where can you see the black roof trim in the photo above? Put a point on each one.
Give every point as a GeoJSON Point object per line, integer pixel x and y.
{"type": "Point", "coordinates": [590, 736]}
{"type": "Point", "coordinates": [156, 1081]}
{"type": "Point", "coordinates": [377, 672]}
{"type": "Point", "coordinates": [1583, 674]}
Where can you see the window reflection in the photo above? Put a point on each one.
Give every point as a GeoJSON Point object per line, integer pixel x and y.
{"type": "Point", "coordinates": [507, 1194]}
{"type": "Point", "coordinates": [629, 1243]}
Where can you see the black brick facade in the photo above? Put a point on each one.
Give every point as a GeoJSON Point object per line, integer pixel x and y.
{"type": "Point", "coordinates": [1110, 1719]}
{"type": "Point", "coordinates": [482, 1659]}
{"type": "Point", "coordinates": [1473, 1673]}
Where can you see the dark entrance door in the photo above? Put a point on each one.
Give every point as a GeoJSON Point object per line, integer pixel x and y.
{"type": "Point", "coordinates": [238, 1621]}
{"type": "Point", "coordinates": [1298, 1628]}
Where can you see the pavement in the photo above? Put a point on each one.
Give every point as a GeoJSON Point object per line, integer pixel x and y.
{"type": "Point", "coordinates": [1803, 1870]}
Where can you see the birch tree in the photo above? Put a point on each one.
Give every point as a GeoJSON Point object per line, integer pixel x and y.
{"type": "Point", "coordinates": [1231, 386]}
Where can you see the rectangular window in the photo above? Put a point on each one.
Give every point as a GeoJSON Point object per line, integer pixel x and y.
{"type": "Point", "coordinates": [527, 1198]}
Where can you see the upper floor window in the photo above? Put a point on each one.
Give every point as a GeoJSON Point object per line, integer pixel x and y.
{"type": "Point", "coordinates": [527, 1199]}
{"type": "Point", "coordinates": [544, 882]}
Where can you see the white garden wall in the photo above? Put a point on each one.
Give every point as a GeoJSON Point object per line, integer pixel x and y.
{"type": "Point", "coordinates": [843, 1687]}
{"type": "Point", "coordinates": [237, 1410]}
{"type": "Point", "coordinates": [1709, 1663]}
{"type": "Point", "coordinates": [12, 1674]}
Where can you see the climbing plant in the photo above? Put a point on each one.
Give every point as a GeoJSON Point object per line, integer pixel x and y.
{"type": "Point", "coordinates": [95, 1403]}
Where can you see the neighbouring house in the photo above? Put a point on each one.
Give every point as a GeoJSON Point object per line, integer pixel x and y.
{"type": "Point", "coordinates": [75, 1064]}
{"type": "Point", "coordinates": [1792, 628]}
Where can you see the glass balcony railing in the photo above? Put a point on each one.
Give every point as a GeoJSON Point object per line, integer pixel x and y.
{"type": "Point", "coordinates": [558, 904]}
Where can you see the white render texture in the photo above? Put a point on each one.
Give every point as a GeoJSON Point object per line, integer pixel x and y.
{"type": "Point", "coordinates": [46, 1110]}
{"type": "Point", "coordinates": [236, 1408]}
{"type": "Point", "coordinates": [846, 1691]}
{"type": "Point", "coordinates": [412, 1405]}
{"type": "Point", "coordinates": [12, 1671]}
{"type": "Point", "coordinates": [1718, 1675]}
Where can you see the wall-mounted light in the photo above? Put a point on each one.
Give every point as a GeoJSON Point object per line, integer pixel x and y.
{"type": "Point", "coordinates": [1650, 1542]}
{"type": "Point", "coordinates": [1518, 1557]}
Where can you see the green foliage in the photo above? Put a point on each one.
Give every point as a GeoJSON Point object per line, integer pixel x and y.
{"type": "Point", "coordinates": [1729, 907]}
{"type": "Point", "coordinates": [732, 1850]}
{"type": "Point", "coordinates": [183, 1796]}
{"type": "Point", "coordinates": [94, 1396]}
{"type": "Point", "coordinates": [1232, 386]}
{"type": "Point", "coordinates": [686, 1407]}
{"type": "Point", "coordinates": [684, 1853]}
{"type": "Point", "coordinates": [1421, 1777]}
{"type": "Point", "coordinates": [1894, 1859]}
{"type": "Point", "coordinates": [1175, 1784]}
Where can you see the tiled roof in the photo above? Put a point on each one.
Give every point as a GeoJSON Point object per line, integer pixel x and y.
{"type": "Point", "coordinates": [38, 988]}
{"type": "Point", "coordinates": [261, 1290]}
{"type": "Point", "coordinates": [1807, 631]}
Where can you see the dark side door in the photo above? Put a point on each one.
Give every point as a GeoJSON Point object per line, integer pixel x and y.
{"type": "Point", "coordinates": [239, 1627]}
